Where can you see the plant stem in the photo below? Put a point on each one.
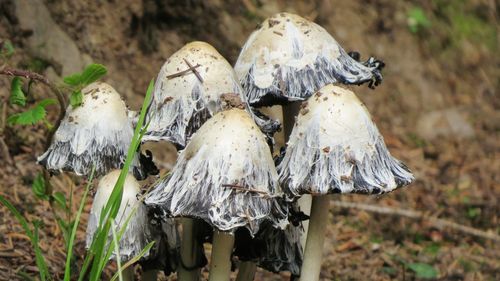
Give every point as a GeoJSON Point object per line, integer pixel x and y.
{"type": "Point", "coordinates": [188, 269]}
{"type": "Point", "coordinates": [222, 247]}
{"type": "Point", "coordinates": [314, 246]}
{"type": "Point", "coordinates": [246, 271]}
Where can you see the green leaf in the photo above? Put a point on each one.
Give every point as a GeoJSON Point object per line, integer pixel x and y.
{"type": "Point", "coordinates": [73, 79]}
{"type": "Point", "coordinates": [76, 98]}
{"type": "Point", "coordinates": [39, 187]}
{"type": "Point", "coordinates": [93, 73]}
{"type": "Point", "coordinates": [17, 96]}
{"type": "Point", "coordinates": [31, 116]}
{"type": "Point", "coordinates": [90, 74]}
{"type": "Point", "coordinates": [7, 49]}
{"type": "Point", "coordinates": [417, 20]}
{"type": "Point", "coordinates": [423, 270]}
{"type": "Point", "coordinates": [60, 199]}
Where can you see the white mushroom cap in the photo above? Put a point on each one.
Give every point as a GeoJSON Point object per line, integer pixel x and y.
{"type": "Point", "coordinates": [138, 233]}
{"type": "Point", "coordinates": [289, 58]}
{"type": "Point", "coordinates": [225, 176]}
{"type": "Point", "coordinates": [98, 132]}
{"type": "Point", "coordinates": [182, 103]}
{"type": "Point", "coordinates": [336, 148]}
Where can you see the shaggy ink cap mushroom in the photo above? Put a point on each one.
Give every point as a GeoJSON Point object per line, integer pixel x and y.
{"type": "Point", "coordinates": [336, 148]}
{"type": "Point", "coordinates": [139, 231]}
{"type": "Point", "coordinates": [289, 58]}
{"type": "Point", "coordinates": [188, 91]}
{"type": "Point", "coordinates": [137, 234]}
{"type": "Point", "coordinates": [96, 133]}
{"type": "Point", "coordinates": [225, 176]}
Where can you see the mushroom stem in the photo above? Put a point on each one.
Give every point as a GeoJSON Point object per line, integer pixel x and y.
{"type": "Point", "coordinates": [150, 275]}
{"type": "Point", "coordinates": [314, 246]}
{"type": "Point", "coordinates": [246, 271]}
{"type": "Point", "coordinates": [222, 247]}
{"type": "Point", "coordinates": [188, 269]}
{"type": "Point", "coordinates": [290, 112]}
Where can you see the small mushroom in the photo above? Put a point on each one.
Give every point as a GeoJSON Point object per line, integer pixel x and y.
{"type": "Point", "coordinates": [226, 177]}
{"type": "Point", "coordinates": [139, 232]}
{"type": "Point", "coordinates": [335, 148]}
{"type": "Point", "coordinates": [96, 133]}
{"type": "Point", "coordinates": [289, 58]}
{"type": "Point", "coordinates": [188, 91]}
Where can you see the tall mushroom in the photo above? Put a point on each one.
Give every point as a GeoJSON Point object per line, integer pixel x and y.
{"type": "Point", "coordinates": [335, 148]}
{"type": "Point", "coordinates": [195, 83]}
{"type": "Point", "coordinates": [138, 232]}
{"type": "Point", "coordinates": [96, 133]}
{"type": "Point", "coordinates": [226, 177]}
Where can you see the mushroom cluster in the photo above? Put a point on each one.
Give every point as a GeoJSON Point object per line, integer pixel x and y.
{"type": "Point", "coordinates": [225, 187]}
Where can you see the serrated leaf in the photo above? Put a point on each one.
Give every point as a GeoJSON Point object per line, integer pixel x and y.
{"type": "Point", "coordinates": [39, 188]}
{"type": "Point", "coordinates": [90, 74]}
{"type": "Point", "coordinates": [93, 73]}
{"type": "Point", "coordinates": [60, 199]}
{"type": "Point", "coordinates": [31, 116]}
{"type": "Point", "coordinates": [423, 270]}
{"type": "Point", "coordinates": [76, 98]}
{"type": "Point", "coordinates": [17, 96]}
{"type": "Point", "coordinates": [73, 79]}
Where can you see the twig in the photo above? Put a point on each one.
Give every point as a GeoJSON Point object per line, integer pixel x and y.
{"type": "Point", "coordinates": [181, 73]}
{"type": "Point", "coordinates": [193, 69]}
{"type": "Point", "coordinates": [434, 221]}
{"type": "Point", "coordinates": [244, 189]}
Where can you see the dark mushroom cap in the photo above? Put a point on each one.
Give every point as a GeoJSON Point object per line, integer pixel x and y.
{"type": "Point", "coordinates": [336, 148]}
{"type": "Point", "coordinates": [289, 58]}
{"type": "Point", "coordinates": [225, 176]}
{"type": "Point", "coordinates": [98, 132]}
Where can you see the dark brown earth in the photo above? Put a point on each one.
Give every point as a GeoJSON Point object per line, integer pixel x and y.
{"type": "Point", "coordinates": [438, 109]}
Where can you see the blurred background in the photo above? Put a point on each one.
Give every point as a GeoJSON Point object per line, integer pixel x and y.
{"type": "Point", "coordinates": [438, 110]}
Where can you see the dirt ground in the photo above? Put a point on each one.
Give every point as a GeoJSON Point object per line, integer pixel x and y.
{"type": "Point", "coordinates": [438, 110]}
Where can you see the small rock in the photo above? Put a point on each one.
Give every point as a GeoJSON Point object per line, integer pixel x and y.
{"type": "Point", "coordinates": [48, 41]}
{"type": "Point", "coordinates": [444, 123]}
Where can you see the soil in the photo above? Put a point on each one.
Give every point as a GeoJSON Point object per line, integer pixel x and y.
{"type": "Point", "coordinates": [438, 110]}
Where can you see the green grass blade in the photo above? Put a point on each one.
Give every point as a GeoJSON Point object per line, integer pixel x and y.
{"type": "Point", "coordinates": [117, 253]}
{"type": "Point", "coordinates": [67, 270]}
{"type": "Point", "coordinates": [135, 259]}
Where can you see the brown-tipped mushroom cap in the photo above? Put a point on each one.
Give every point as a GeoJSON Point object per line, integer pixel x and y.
{"type": "Point", "coordinates": [98, 132]}
{"type": "Point", "coordinates": [289, 58]}
{"type": "Point", "coordinates": [225, 176]}
{"type": "Point", "coordinates": [336, 148]}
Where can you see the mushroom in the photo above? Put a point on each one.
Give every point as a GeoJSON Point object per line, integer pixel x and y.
{"type": "Point", "coordinates": [188, 91]}
{"type": "Point", "coordinates": [289, 58]}
{"type": "Point", "coordinates": [96, 133]}
{"type": "Point", "coordinates": [226, 177]}
{"type": "Point", "coordinates": [138, 232]}
{"type": "Point", "coordinates": [335, 148]}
